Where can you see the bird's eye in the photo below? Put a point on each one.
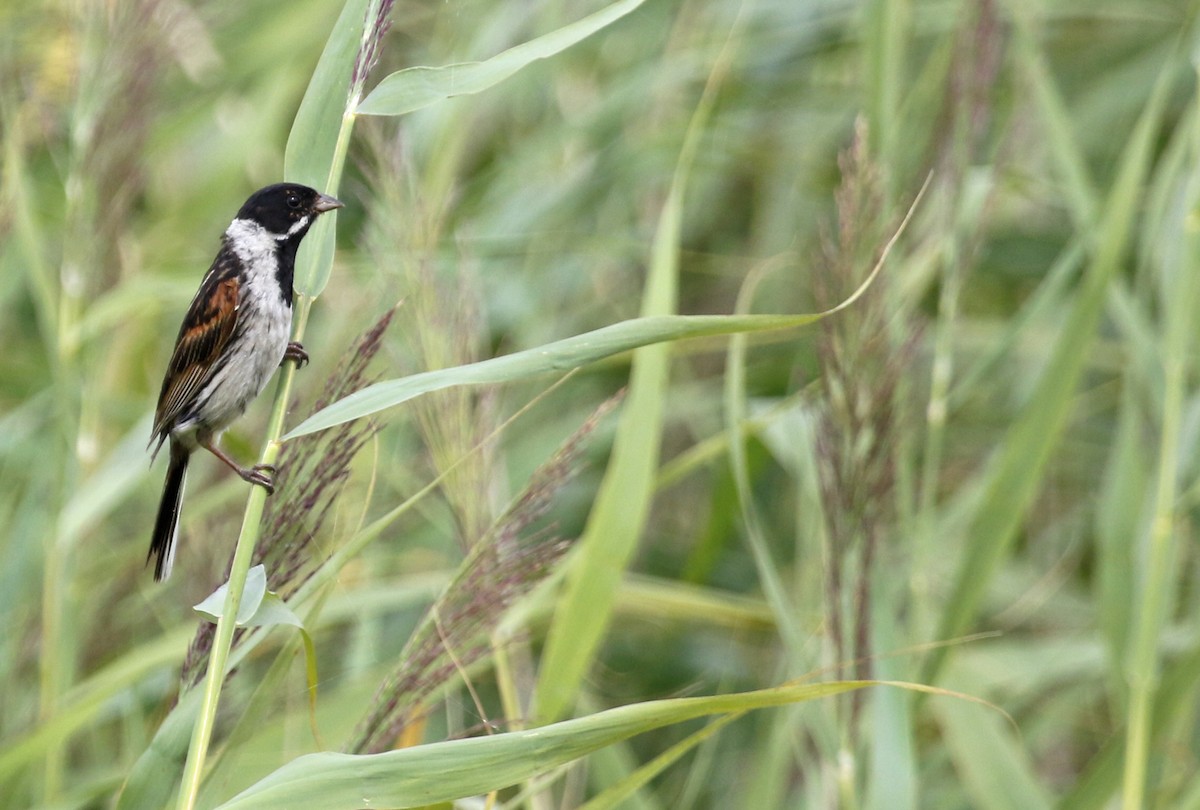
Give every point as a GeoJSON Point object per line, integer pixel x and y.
{"type": "Point", "coordinates": [293, 201]}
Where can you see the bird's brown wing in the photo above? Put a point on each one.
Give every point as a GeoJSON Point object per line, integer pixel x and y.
{"type": "Point", "coordinates": [209, 324]}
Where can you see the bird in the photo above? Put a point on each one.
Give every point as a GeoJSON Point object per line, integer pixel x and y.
{"type": "Point", "coordinates": [234, 335]}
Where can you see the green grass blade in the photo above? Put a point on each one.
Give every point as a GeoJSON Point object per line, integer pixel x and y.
{"type": "Point", "coordinates": [414, 88]}
{"type": "Point", "coordinates": [88, 699]}
{"type": "Point", "coordinates": [320, 135]}
{"type": "Point", "coordinates": [1101, 779]}
{"type": "Point", "coordinates": [620, 792]}
{"type": "Point", "coordinates": [1157, 561]}
{"type": "Point", "coordinates": [1119, 514]}
{"type": "Point", "coordinates": [613, 530]}
{"type": "Point", "coordinates": [444, 771]}
{"type": "Point", "coordinates": [886, 28]}
{"type": "Point", "coordinates": [990, 759]}
{"type": "Point", "coordinates": [618, 517]}
{"type": "Point", "coordinates": [1014, 477]}
{"type": "Point", "coordinates": [1081, 198]}
{"type": "Point", "coordinates": [616, 521]}
{"type": "Point", "coordinates": [782, 606]}
{"type": "Point", "coordinates": [312, 142]}
{"type": "Point", "coordinates": [108, 486]}
{"type": "Point", "coordinates": [557, 357]}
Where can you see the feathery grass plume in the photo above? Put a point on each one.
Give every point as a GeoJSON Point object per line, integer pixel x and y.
{"type": "Point", "coordinates": [116, 87]}
{"type": "Point", "coordinates": [503, 565]}
{"type": "Point", "coordinates": [969, 104]}
{"type": "Point", "coordinates": [861, 360]}
{"type": "Point", "coordinates": [444, 324]}
{"type": "Point", "coordinates": [368, 53]}
{"type": "Point", "coordinates": [312, 470]}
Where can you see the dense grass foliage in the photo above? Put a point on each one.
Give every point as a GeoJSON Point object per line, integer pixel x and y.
{"type": "Point", "coordinates": [688, 553]}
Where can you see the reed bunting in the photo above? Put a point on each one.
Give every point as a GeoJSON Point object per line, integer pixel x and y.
{"type": "Point", "coordinates": [233, 337]}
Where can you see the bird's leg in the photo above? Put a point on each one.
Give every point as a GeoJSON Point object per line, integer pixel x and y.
{"type": "Point", "coordinates": [258, 474]}
{"type": "Point", "coordinates": [296, 352]}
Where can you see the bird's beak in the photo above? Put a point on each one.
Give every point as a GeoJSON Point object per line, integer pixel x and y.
{"type": "Point", "coordinates": [326, 203]}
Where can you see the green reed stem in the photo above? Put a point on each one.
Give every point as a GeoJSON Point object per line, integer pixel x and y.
{"type": "Point", "coordinates": [214, 679]}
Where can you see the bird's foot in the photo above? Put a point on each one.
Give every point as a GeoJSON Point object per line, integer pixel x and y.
{"type": "Point", "coordinates": [260, 474]}
{"type": "Point", "coordinates": [296, 352]}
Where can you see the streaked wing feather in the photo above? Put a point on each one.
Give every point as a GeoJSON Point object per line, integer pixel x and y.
{"type": "Point", "coordinates": [207, 328]}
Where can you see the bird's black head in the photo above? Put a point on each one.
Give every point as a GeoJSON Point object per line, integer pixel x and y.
{"type": "Point", "coordinates": [287, 210]}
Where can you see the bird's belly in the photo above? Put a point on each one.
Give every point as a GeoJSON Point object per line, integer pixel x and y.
{"type": "Point", "coordinates": [260, 346]}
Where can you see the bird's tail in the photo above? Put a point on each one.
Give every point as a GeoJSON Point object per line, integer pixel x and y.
{"type": "Point", "coordinates": [166, 525]}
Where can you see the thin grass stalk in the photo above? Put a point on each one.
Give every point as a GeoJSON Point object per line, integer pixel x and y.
{"type": "Point", "coordinates": [1153, 592]}
{"type": "Point", "coordinates": [247, 539]}
{"type": "Point", "coordinates": [1011, 483]}
{"type": "Point", "coordinates": [243, 555]}
{"type": "Point", "coordinates": [50, 664]}
{"type": "Point", "coordinates": [783, 609]}
{"type": "Point", "coordinates": [215, 677]}
{"type": "Point", "coordinates": [1156, 587]}
{"type": "Point", "coordinates": [887, 31]}
{"type": "Point", "coordinates": [242, 559]}
{"type": "Point", "coordinates": [936, 411]}
{"type": "Point", "coordinates": [70, 292]}
{"type": "Point", "coordinates": [974, 67]}
{"type": "Point", "coordinates": [53, 661]}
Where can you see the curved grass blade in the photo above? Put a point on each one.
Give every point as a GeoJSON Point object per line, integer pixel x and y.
{"type": "Point", "coordinates": [414, 88]}
{"type": "Point", "coordinates": [309, 155]}
{"type": "Point", "coordinates": [444, 771]}
{"type": "Point", "coordinates": [577, 351]}
{"type": "Point", "coordinates": [316, 147]}
{"type": "Point", "coordinates": [618, 793]}
{"type": "Point", "coordinates": [90, 698]}
{"type": "Point", "coordinates": [559, 356]}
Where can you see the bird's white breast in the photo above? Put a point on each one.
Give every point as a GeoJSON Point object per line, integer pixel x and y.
{"type": "Point", "coordinates": [264, 322]}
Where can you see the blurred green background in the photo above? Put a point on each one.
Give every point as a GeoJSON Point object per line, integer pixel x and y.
{"type": "Point", "coordinates": [981, 476]}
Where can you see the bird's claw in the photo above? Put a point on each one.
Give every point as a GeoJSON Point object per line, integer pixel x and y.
{"type": "Point", "coordinates": [260, 474]}
{"type": "Point", "coordinates": [296, 352]}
